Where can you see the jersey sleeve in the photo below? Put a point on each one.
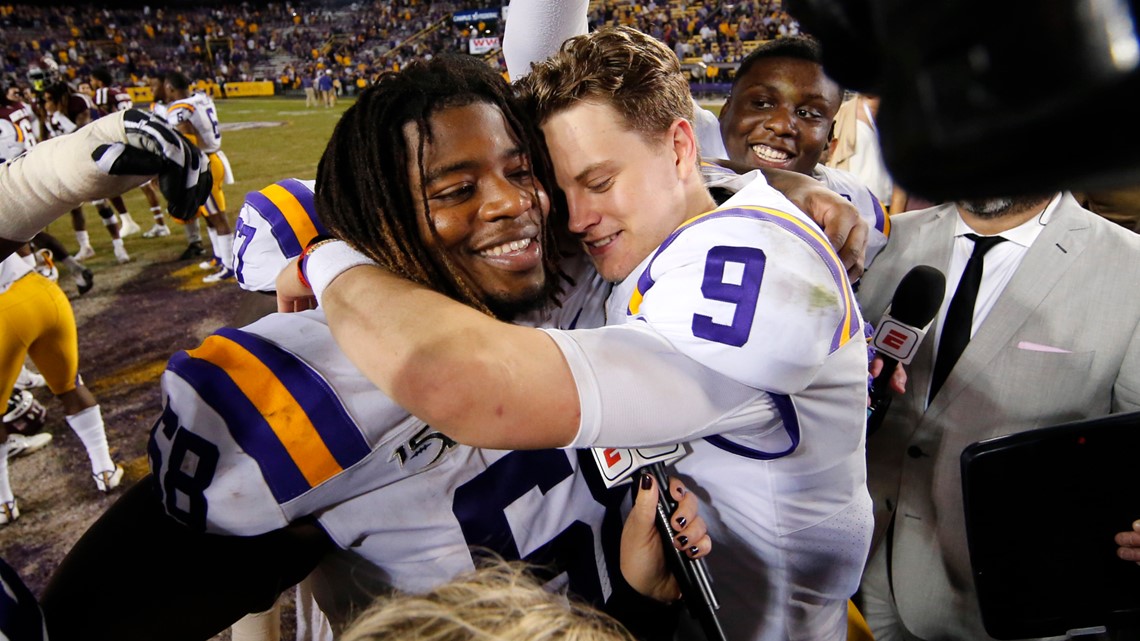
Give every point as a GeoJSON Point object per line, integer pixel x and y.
{"type": "Point", "coordinates": [179, 112]}
{"type": "Point", "coordinates": [55, 176]}
{"type": "Point", "coordinates": [753, 293]}
{"type": "Point", "coordinates": [253, 437]}
{"type": "Point", "coordinates": [273, 226]}
{"type": "Point", "coordinates": [11, 140]}
{"type": "Point", "coordinates": [536, 29]}
{"type": "Point", "coordinates": [849, 186]}
{"type": "Point", "coordinates": [636, 390]}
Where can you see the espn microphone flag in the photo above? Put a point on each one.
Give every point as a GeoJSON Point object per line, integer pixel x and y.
{"type": "Point", "coordinates": [917, 299]}
{"type": "Point", "coordinates": [619, 464]}
{"type": "Point", "coordinates": [897, 340]}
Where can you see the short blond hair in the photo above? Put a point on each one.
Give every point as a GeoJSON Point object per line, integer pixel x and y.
{"type": "Point", "coordinates": [499, 602]}
{"type": "Point", "coordinates": [637, 75]}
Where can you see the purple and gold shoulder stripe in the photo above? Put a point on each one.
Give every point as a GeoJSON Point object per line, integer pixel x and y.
{"type": "Point", "coordinates": [289, 209]}
{"type": "Point", "coordinates": [279, 410]}
{"type": "Point", "coordinates": [847, 328]}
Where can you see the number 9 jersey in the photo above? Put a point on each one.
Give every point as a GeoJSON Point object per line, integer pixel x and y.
{"type": "Point", "coordinates": [271, 423]}
{"type": "Point", "coordinates": [740, 336]}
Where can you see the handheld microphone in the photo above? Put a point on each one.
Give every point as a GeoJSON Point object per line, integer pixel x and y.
{"type": "Point", "coordinates": [916, 301]}
{"type": "Point", "coordinates": [617, 465]}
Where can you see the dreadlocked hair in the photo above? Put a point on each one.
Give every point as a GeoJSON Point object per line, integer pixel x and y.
{"type": "Point", "coordinates": [363, 194]}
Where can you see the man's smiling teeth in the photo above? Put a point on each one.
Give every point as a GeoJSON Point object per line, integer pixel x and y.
{"type": "Point", "coordinates": [768, 153]}
{"type": "Point", "coordinates": [602, 242]}
{"type": "Point", "coordinates": [506, 248]}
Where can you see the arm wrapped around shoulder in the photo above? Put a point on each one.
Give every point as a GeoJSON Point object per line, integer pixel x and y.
{"type": "Point", "coordinates": [57, 175]}
{"type": "Point", "coordinates": [637, 390]}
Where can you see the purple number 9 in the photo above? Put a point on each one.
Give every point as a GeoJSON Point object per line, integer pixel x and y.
{"type": "Point", "coordinates": [743, 295]}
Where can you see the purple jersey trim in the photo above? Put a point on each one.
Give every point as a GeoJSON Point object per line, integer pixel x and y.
{"type": "Point", "coordinates": [645, 280]}
{"type": "Point", "coordinates": [787, 411]}
{"type": "Point", "coordinates": [315, 396]}
{"type": "Point", "coordinates": [279, 226]}
{"type": "Point", "coordinates": [880, 215]}
{"type": "Point", "coordinates": [248, 428]}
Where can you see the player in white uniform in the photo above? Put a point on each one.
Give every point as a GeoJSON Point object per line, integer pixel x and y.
{"type": "Point", "coordinates": [269, 431]}
{"type": "Point", "coordinates": [17, 132]}
{"type": "Point", "coordinates": [274, 223]}
{"type": "Point", "coordinates": [762, 85]}
{"type": "Point", "coordinates": [740, 336]}
{"type": "Point", "coordinates": [196, 117]}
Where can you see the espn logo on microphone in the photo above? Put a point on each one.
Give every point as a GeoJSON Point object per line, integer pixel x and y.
{"type": "Point", "coordinates": [897, 340]}
{"type": "Point", "coordinates": [617, 465]}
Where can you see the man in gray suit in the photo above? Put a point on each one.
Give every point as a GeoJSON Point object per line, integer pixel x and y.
{"type": "Point", "coordinates": [1043, 330]}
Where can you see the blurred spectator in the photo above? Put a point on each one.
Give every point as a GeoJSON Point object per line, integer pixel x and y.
{"type": "Point", "coordinates": [285, 42]}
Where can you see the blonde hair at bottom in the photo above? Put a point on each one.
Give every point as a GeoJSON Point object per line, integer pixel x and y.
{"type": "Point", "coordinates": [498, 602]}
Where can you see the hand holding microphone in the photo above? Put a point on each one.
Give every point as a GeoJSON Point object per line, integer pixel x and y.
{"type": "Point", "coordinates": [691, 574]}
{"type": "Point", "coordinates": [915, 303]}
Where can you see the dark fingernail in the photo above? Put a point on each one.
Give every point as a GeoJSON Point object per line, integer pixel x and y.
{"type": "Point", "coordinates": [646, 481]}
{"type": "Point", "coordinates": [681, 521]}
{"type": "Point", "coordinates": [694, 550]}
{"type": "Point", "coordinates": [683, 540]}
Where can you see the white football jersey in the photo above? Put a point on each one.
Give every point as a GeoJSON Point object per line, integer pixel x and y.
{"type": "Point", "coordinates": [748, 312]}
{"type": "Point", "coordinates": [274, 225]}
{"type": "Point", "coordinates": [841, 182]}
{"type": "Point", "coordinates": [271, 423]}
{"type": "Point", "coordinates": [17, 130]}
{"type": "Point", "coordinates": [59, 124]}
{"type": "Point", "coordinates": [849, 186]}
{"type": "Point", "coordinates": [12, 269]}
{"type": "Point", "coordinates": [199, 110]}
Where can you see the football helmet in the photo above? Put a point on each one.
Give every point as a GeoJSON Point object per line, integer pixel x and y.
{"type": "Point", "coordinates": [25, 414]}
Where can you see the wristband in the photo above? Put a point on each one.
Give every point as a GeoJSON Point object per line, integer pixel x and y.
{"type": "Point", "coordinates": [317, 241]}
{"type": "Point", "coordinates": [325, 260]}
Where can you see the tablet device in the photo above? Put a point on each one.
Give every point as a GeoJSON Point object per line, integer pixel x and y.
{"type": "Point", "coordinates": [1042, 508]}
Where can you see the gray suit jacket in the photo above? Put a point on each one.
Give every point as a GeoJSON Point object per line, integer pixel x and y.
{"type": "Point", "coordinates": [1077, 290]}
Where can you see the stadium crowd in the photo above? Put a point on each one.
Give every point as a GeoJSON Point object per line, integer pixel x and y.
{"type": "Point", "coordinates": [292, 43]}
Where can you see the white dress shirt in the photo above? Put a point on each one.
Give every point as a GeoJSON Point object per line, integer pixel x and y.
{"type": "Point", "coordinates": [1000, 264]}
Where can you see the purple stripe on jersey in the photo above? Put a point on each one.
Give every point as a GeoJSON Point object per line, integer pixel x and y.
{"type": "Point", "coordinates": [318, 400]}
{"type": "Point", "coordinates": [282, 232]}
{"type": "Point", "coordinates": [788, 417]}
{"type": "Point", "coordinates": [305, 197]}
{"type": "Point", "coordinates": [251, 431]}
{"type": "Point", "coordinates": [645, 281]}
{"type": "Point", "coordinates": [880, 215]}
{"type": "Point", "coordinates": [20, 616]}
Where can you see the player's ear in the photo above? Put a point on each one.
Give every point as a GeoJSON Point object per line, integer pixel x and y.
{"type": "Point", "coordinates": [684, 143]}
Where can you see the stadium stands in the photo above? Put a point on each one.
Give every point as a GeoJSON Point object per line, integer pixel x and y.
{"type": "Point", "coordinates": [285, 42]}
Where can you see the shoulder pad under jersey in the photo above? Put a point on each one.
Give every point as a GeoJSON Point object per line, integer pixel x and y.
{"type": "Point", "coordinates": [274, 225]}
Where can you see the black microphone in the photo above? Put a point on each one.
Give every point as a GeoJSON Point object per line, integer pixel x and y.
{"type": "Point", "coordinates": [618, 464]}
{"type": "Point", "coordinates": [691, 574]}
{"type": "Point", "coordinates": [916, 301]}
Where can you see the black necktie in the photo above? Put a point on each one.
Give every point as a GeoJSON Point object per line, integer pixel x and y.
{"type": "Point", "coordinates": [960, 315]}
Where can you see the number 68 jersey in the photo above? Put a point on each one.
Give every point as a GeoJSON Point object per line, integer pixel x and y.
{"type": "Point", "coordinates": [271, 423]}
